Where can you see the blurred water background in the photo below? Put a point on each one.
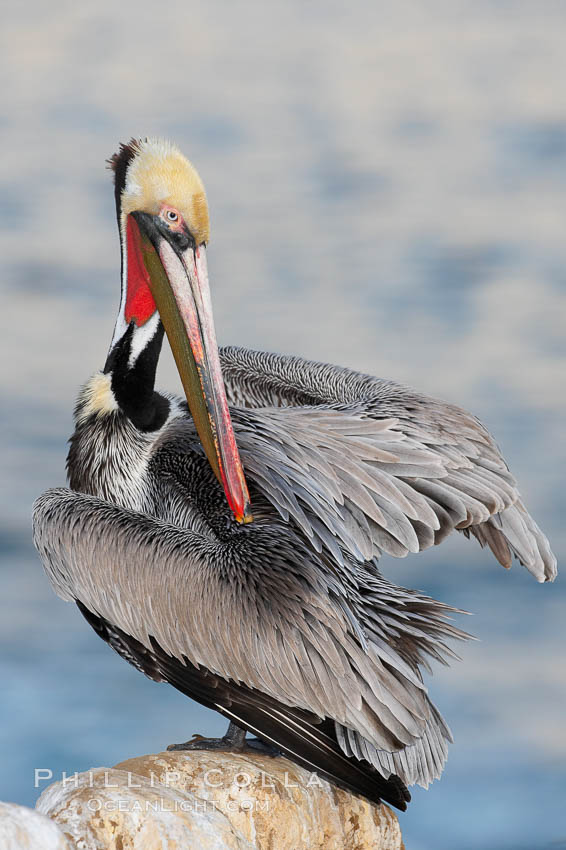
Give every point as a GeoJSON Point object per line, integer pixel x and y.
{"type": "Point", "coordinates": [387, 184]}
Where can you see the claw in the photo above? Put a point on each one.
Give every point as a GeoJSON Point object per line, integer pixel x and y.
{"type": "Point", "coordinates": [190, 744]}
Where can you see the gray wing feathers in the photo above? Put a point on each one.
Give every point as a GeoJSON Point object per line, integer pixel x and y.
{"type": "Point", "coordinates": [421, 762]}
{"type": "Point", "coordinates": [373, 464]}
{"type": "Point", "coordinates": [331, 467]}
{"type": "Point", "coordinates": [361, 466]}
{"type": "Point", "coordinates": [513, 532]}
{"type": "Point", "coordinates": [281, 631]}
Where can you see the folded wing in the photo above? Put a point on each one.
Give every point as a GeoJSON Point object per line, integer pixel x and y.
{"type": "Point", "coordinates": [264, 621]}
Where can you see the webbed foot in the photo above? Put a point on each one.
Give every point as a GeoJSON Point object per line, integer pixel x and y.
{"type": "Point", "coordinates": [233, 741]}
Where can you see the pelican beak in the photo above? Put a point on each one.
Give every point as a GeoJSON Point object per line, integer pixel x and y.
{"type": "Point", "coordinates": [178, 279]}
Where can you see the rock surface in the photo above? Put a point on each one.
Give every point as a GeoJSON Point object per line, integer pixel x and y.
{"type": "Point", "coordinates": [275, 803]}
{"type": "Point", "coordinates": [108, 809]}
{"type": "Point", "coordinates": [25, 829]}
{"type": "Point", "coordinates": [220, 800]}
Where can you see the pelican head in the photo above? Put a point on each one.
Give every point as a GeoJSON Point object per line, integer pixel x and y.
{"type": "Point", "coordinates": [164, 229]}
{"type": "Point", "coordinates": [158, 177]}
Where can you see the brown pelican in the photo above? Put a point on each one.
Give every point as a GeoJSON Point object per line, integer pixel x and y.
{"type": "Point", "coordinates": [230, 547]}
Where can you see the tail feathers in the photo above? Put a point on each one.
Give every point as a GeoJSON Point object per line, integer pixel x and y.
{"type": "Point", "coordinates": [421, 762]}
{"type": "Point", "coordinates": [513, 532]}
{"type": "Point", "coordinates": [315, 747]}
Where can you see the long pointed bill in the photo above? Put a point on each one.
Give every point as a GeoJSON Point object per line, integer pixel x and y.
{"type": "Point", "coordinates": [179, 285]}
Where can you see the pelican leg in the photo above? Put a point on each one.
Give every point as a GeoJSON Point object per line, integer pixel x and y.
{"type": "Point", "coordinates": [234, 740]}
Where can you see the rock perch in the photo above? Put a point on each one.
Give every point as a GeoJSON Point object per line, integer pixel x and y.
{"type": "Point", "coordinates": [220, 800]}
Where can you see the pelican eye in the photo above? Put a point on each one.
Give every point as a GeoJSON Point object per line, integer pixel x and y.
{"type": "Point", "coordinates": [172, 215]}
